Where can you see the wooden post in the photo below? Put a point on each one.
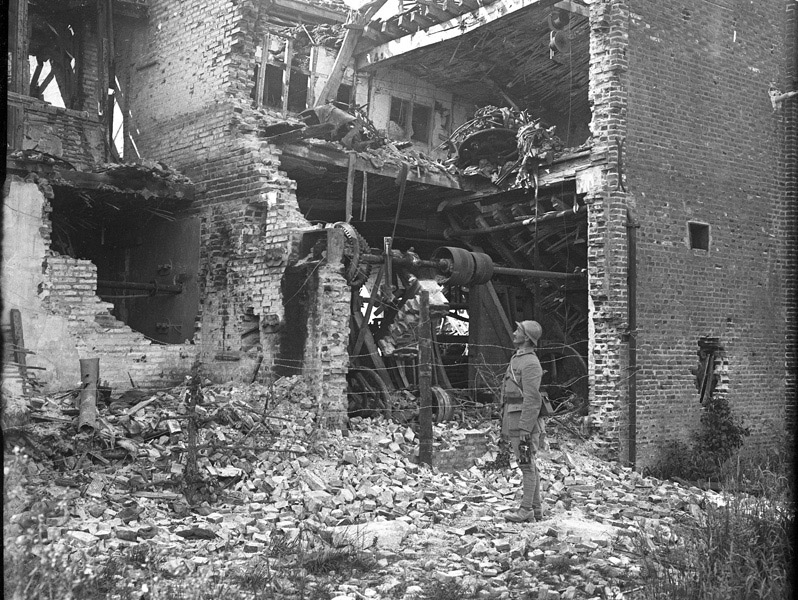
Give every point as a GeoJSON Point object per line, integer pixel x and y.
{"type": "Point", "coordinates": [350, 186]}
{"type": "Point", "coordinates": [89, 376]}
{"type": "Point", "coordinates": [18, 340]}
{"type": "Point", "coordinates": [425, 381]}
{"type": "Point", "coordinates": [18, 44]}
{"type": "Point", "coordinates": [289, 56]}
{"type": "Point", "coordinates": [354, 31]}
{"type": "Point", "coordinates": [264, 60]}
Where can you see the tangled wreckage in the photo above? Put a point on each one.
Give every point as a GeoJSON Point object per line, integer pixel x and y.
{"type": "Point", "coordinates": [278, 188]}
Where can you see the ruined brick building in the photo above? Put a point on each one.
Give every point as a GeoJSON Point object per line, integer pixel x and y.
{"type": "Point", "coordinates": [193, 196]}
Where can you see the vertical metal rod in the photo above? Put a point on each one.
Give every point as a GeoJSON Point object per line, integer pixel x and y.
{"type": "Point", "coordinates": [350, 186]}
{"type": "Point", "coordinates": [425, 381]}
{"type": "Point", "coordinates": [631, 233]}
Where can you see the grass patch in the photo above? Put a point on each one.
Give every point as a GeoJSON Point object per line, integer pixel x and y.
{"type": "Point", "coordinates": [445, 590]}
{"type": "Point", "coordinates": [743, 549]}
{"type": "Point", "coordinates": [344, 562]}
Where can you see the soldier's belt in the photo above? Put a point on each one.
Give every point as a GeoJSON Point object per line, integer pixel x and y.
{"type": "Point", "coordinates": [514, 400]}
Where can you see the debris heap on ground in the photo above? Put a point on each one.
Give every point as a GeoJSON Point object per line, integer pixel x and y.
{"type": "Point", "coordinates": [276, 490]}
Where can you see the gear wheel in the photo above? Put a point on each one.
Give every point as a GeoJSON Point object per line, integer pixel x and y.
{"type": "Point", "coordinates": [357, 272]}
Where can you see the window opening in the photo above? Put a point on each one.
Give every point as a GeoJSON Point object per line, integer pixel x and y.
{"type": "Point", "coordinates": [699, 235]}
{"type": "Point", "coordinates": [43, 85]}
{"type": "Point", "coordinates": [118, 120]}
{"type": "Point", "coordinates": [345, 94]}
{"type": "Point", "coordinates": [413, 119]}
{"type": "Point", "coordinates": [270, 85]}
{"type": "Point", "coordinates": [422, 115]}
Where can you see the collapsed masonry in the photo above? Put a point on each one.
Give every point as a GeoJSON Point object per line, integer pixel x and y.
{"type": "Point", "coordinates": [227, 266]}
{"type": "Point", "coordinates": [195, 197]}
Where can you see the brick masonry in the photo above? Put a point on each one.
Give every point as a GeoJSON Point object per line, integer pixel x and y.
{"type": "Point", "coordinates": [201, 56]}
{"type": "Point", "coordinates": [73, 135]}
{"type": "Point", "coordinates": [685, 88]}
{"type": "Point", "coordinates": [63, 319]}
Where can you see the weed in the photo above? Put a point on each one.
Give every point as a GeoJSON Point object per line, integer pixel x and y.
{"type": "Point", "coordinates": [256, 579]}
{"type": "Point", "coordinates": [718, 438]}
{"type": "Point", "coordinates": [342, 561]}
{"type": "Point", "coordinates": [742, 549]}
{"type": "Point", "coordinates": [445, 590]}
{"type": "Point", "coordinates": [558, 564]}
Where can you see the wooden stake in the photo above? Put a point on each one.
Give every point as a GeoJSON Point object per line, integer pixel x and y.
{"type": "Point", "coordinates": [264, 59]}
{"type": "Point", "coordinates": [350, 186]}
{"type": "Point", "coordinates": [425, 381]}
{"type": "Point", "coordinates": [289, 55]}
{"type": "Point", "coordinates": [89, 376]}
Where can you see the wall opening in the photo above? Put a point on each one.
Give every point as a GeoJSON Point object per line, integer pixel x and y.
{"type": "Point", "coordinates": [296, 288]}
{"type": "Point", "coordinates": [698, 235]}
{"type": "Point", "coordinates": [415, 120]}
{"type": "Point", "coordinates": [147, 257]}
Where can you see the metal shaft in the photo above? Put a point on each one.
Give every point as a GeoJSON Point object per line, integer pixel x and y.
{"type": "Point", "coordinates": [444, 266]}
{"type": "Point", "coordinates": [147, 287]}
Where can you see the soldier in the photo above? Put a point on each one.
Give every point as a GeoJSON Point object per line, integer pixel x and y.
{"type": "Point", "coordinates": [520, 424]}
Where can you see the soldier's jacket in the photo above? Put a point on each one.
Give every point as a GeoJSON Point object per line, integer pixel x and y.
{"type": "Point", "coordinates": [521, 387]}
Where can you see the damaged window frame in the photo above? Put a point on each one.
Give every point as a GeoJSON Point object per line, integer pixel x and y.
{"type": "Point", "coordinates": [406, 110]}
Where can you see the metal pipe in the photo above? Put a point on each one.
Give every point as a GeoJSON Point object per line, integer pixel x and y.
{"type": "Point", "coordinates": [452, 233]}
{"type": "Point", "coordinates": [133, 285]}
{"type": "Point", "coordinates": [536, 274]}
{"type": "Point", "coordinates": [631, 282]}
{"type": "Point", "coordinates": [444, 266]}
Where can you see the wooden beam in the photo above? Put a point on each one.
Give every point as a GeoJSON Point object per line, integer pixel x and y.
{"type": "Point", "coordinates": [321, 156]}
{"type": "Point", "coordinates": [153, 186]}
{"type": "Point", "coordinates": [421, 21]}
{"type": "Point", "coordinates": [574, 8]}
{"type": "Point", "coordinates": [432, 10]}
{"type": "Point", "coordinates": [425, 380]}
{"type": "Point", "coordinates": [308, 10]}
{"type": "Point", "coordinates": [352, 36]}
{"type": "Point", "coordinates": [18, 45]}
{"type": "Point", "coordinates": [406, 22]}
{"type": "Point", "coordinates": [443, 32]}
{"type": "Point", "coordinates": [264, 59]}
{"type": "Point", "coordinates": [391, 29]}
{"type": "Point", "coordinates": [289, 57]}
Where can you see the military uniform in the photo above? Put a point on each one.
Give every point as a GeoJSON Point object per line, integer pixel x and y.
{"type": "Point", "coordinates": [522, 401]}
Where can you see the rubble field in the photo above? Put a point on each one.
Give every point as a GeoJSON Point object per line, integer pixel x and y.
{"type": "Point", "coordinates": [281, 508]}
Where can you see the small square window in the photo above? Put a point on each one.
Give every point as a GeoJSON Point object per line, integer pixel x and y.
{"type": "Point", "coordinates": [699, 235]}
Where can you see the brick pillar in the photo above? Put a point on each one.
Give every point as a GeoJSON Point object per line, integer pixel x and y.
{"type": "Point", "coordinates": [607, 208]}
{"type": "Point", "coordinates": [326, 360]}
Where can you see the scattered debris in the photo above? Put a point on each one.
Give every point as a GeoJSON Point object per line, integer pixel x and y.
{"type": "Point", "coordinates": [274, 485]}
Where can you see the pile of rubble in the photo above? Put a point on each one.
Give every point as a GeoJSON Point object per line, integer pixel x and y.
{"type": "Point", "coordinates": [273, 486]}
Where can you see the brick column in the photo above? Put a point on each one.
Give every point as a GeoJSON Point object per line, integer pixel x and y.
{"type": "Point", "coordinates": [607, 208]}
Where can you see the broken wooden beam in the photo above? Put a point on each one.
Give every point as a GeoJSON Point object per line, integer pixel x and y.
{"type": "Point", "coordinates": [354, 31]}
{"type": "Point", "coordinates": [89, 376]}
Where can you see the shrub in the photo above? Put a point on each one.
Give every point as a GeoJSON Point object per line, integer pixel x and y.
{"type": "Point", "coordinates": [718, 438]}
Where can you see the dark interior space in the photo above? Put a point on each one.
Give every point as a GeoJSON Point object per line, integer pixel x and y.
{"type": "Point", "coordinates": [146, 252]}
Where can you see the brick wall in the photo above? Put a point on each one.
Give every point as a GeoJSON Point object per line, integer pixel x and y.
{"type": "Point", "coordinates": [63, 320]}
{"type": "Point", "coordinates": [201, 56]}
{"type": "Point", "coordinates": [703, 144]}
{"type": "Point", "coordinates": [789, 211]}
{"type": "Point", "coordinates": [76, 136]}
{"type": "Point", "coordinates": [125, 355]}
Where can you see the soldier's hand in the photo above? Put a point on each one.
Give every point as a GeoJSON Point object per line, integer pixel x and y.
{"type": "Point", "coordinates": [524, 435]}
